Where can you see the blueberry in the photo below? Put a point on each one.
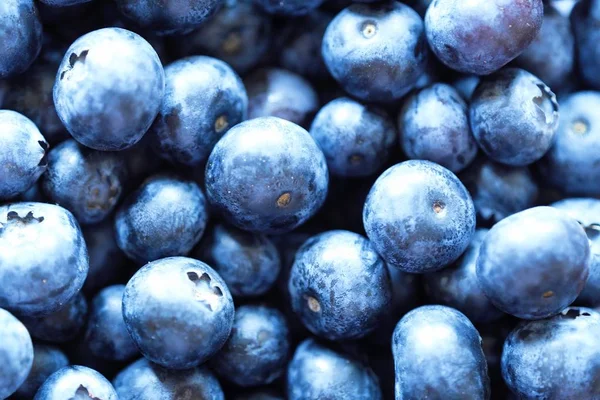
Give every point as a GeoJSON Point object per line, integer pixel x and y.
{"type": "Point", "coordinates": [434, 126]}
{"type": "Point", "coordinates": [203, 99]}
{"type": "Point", "coordinates": [534, 263]}
{"type": "Point", "coordinates": [76, 382]}
{"type": "Point", "coordinates": [22, 154]}
{"type": "Point", "coordinates": [514, 117]}
{"type": "Point", "coordinates": [143, 380]}
{"type": "Point", "coordinates": [419, 216]}
{"type": "Point", "coordinates": [481, 36]}
{"type": "Point", "coordinates": [432, 347]}
{"type": "Point", "coordinates": [43, 258]}
{"type": "Point", "coordinates": [46, 361]}
{"type": "Point", "coordinates": [256, 353]}
{"type": "Point", "coordinates": [21, 36]}
{"type": "Point", "coordinates": [267, 175]}
{"type": "Point", "coordinates": [64, 3]}
{"type": "Point", "coordinates": [289, 7]}
{"type": "Point", "coordinates": [376, 52]}
{"type": "Point", "coordinates": [555, 358]}
{"type": "Point", "coordinates": [108, 89]}
{"type": "Point", "coordinates": [88, 183]}
{"type": "Point", "coordinates": [16, 354]}
{"type": "Point", "coordinates": [248, 263]}
{"type": "Point", "coordinates": [317, 372]}
{"type": "Point", "coordinates": [178, 311]}
{"type": "Point", "coordinates": [585, 19]}
{"type": "Point", "coordinates": [343, 296]}
{"type": "Point", "coordinates": [357, 140]}
{"type": "Point", "coordinates": [166, 216]}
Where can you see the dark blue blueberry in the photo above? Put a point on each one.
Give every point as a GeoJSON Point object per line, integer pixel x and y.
{"type": "Point", "coordinates": [178, 311]}
{"type": "Point", "coordinates": [43, 258]}
{"type": "Point", "coordinates": [16, 354]}
{"type": "Point", "coordinates": [166, 216]}
{"type": "Point", "coordinates": [434, 126]}
{"type": "Point", "coordinates": [585, 20]}
{"type": "Point", "coordinates": [76, 382]}
{"type": "Point", "coordinates": [357, 140]}
{"type": "Point", "coordinates": [203, 98]}
{"type": "Point", "coordinates": [317, 372]}
{"type": "Point", "coordinates": [289, 7]}
{"type": "Point", "coordinates": [62, 325]}
{"type": "Point", "coordinates": [143, 380]}
{"type": "Point", "coordinates": [87, 182]}
{"type": "Point", "coordinates": [106, 335]}
{"type": "Point", "coordinates": [481, 36]}
{"type": "Point", "coordinates": [22, 154]}
{"type": "Point", "coordinates": [466, 85]}
{"type": "Point", "coordinates": [63, 3]}
{"type": "Point", "coordinates": [248, 263]}
{"type": "Point", "coordinates": [555, 358]}
{"type": "Point", "coordinates": [21, 36]}
{"type": "Point", "coordinates": [46, 361]}
{"type": "Point", "coordinates": [376, 52]}
{"type": "Point", "coordinates": [108, 89]}
{"type": "Point", "coordinates": [534, 263]}
{"type": "Point", "coordinates": [256, 352]}
{"type": "Point", "coordinates": [438, 355]}
{"type": "Point", "coordinates": [573, 162]}
{"type": "Point", "coordinates": [457, 286]}
{"type": "Point", "coordinates": [267, 175]}
{"type": "Point", "coordinates": [419, 216]}
{"type": "Point", "coordinates": [514, 117]}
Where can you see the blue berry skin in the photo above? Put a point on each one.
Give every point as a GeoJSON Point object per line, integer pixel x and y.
{"type": "Point", "coordinates": [457, 286]}
{"type": "Point", "coordinates": [256, 353]}
{"type": "Point", "coordinates": [432, 346]}
{"type": "Point", "coordinates": [108, 89]}
{"type": "Point", "coordinates": [106, 335]}
{"type": "Point", "coordinates": [248, 263]}
{"type": "Point", "coordinates": [419, 216]}
{"type": "Point", "coordinates": [62, 325]}
{"type": "Point", "coordinates": [376, 52]}
{"type": "Point", "coordinates": [317, 372]}
{"type": "Point", "coordinates": [203, 98]}
{"type": "Point", "coordinates": [267, 175]}
{"type": "Point", "coordinates": [554, 358]}
{"type": "Point", "coordinates": [46, 361]}
{"type": "Point", "coordinates": [21, 32]}
{"type": "Point", "coordinates": [178, 311]}
{"type": "Point", "coordinates": [87, 182]}
{"type": "Point", "coordinates": [166, 216]}
{"type": "Point", "coordinates": [275, 92]}
{"type": "Point", "coordinates": [74, 382]}
{"type": "Point", "coordinates": [22, 154]}
{"type": "Point", "coordinates": [534, 263]}
{"type": "Point", "coordinates": [481, 36]}
{"type": "Point", "coordinates": [143, 380]}
{"type": "Point", "coordinates": [169, 17]}
{"type": "Point", "coordinates": [357, 140]}
{"type": "Point", "coordinates": [573, 163]}
{"type": "Point", "coordinates": [43, 258]}
{"type": "Point", "coordinates": [434, 126]}
{"type": "Point", "coordinates": [585, 18]}
{"type": "Point", "coordinates": [289, 7]}
{"type": "Point", "coordinates": [341, 297]}
{"type": "Point", "coordinates": [16, 354]}
{"type": "Point", "coordinates": [514, 117]}
{"type": "Point", "coordinates": [64, 3]}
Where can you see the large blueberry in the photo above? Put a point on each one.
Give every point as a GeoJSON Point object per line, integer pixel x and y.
{"type": "Point", "coordinates": [376, 51]}
{"type": "Point", "coordinates": [514, 117]}
{"type": "Point", "coordinates": [16, 353]}
{"type": "Point", "coordinates": [178, 311]}
{"type": "Point", "coordinates": [76, 382]}
{"type": "Point", "coordinates": [267, 175]}
{"type": "Point", "coordinates": [419, 216]}
{"type": "Point", "coordinates": [43, 258]}
{"type": "Point", "coordinates": [534, 263]}
{"type": "Point", "coordinates": [46, 361]}
{"type": "Point", "coordinates": [434, 126]}
{"type": "Point", "coordinates": [203, 99]}
{"type": "Point", "coordinates": [109, 88]}
{"type": "Point", "coordinates": [22, 154]}
{"type": "Point", "coordinates": [289, 7]}
{"type": "Point", "coordinates": [357, 140]}
{"type": "Point", "coordinates": [585, 20]}
{"type": "Point", "coordinates": [438, 355]}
